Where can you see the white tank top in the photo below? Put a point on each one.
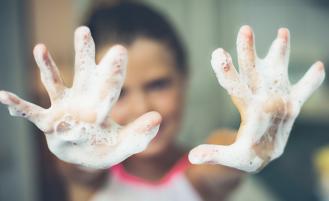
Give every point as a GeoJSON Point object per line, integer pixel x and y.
{"type": "Point", "coordinates": [174, 186]}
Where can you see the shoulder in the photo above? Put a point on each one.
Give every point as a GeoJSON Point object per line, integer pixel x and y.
{"type": "Point", "coordinates": [222, 137]}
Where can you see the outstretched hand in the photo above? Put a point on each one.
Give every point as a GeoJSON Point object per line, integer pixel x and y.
{"type": "Point", "coordinates": [267, 102]}
{"type": "Point", "coordinates": [78, 126]}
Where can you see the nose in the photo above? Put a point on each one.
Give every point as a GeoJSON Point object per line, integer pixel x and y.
{"type": "Point", "coordinates": [139, 105]}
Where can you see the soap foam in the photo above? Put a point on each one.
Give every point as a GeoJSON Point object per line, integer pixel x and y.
{"type": "Point", "coordinates": [266, 99]}
{"type": "Point", "coordinates": [78, 127]}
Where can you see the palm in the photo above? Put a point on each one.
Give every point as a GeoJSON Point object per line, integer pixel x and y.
{"type": "Point", "coordinates": [267, 102]}
{"type": "Point", "coordinates": [78, 126]}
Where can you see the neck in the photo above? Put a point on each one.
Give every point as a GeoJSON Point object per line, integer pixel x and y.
{"type": "Point", "coordinates": [78, 192]}
{"type": "Point", "coordinates": [83, 186]}
{"type": "Point", "coordinates": [155, 167]}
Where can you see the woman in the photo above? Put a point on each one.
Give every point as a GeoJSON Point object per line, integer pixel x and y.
{"type": "Point", "coordinates": [79, 125]}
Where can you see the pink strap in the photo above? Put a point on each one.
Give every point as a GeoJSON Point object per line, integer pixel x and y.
{"type": "Point", "coordinates": [179, 168]}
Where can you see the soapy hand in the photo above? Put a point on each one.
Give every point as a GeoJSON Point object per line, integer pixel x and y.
{"type": "Point", "coordinates": [78, 126]}
{"type": "Point", "coordinates": [267, 102]}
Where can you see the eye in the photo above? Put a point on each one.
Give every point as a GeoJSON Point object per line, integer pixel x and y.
{"type": "Point", "coordinates": [159, 84]}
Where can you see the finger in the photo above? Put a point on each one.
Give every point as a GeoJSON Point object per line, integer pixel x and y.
{"type": "Point", "coordinates": [137, 135]}
{"type": "Point", "coordinates": [280, 48]}
{"type": "Point", "coordinates": [21, 108]}
{"type": "Point", "coordinates": [112, 70]}
{"type": "Point", "coordinates": [225, 71]}
{"type": "Point", "coordinates": [312, 79]}
{"type": "Point", "coordinates": [247, 56]}
{"type": "Point", "coordinates": [211, 154]}
{"type": "Point", "coordinates": [84, 55]}
{"type": "Point", "coordinates": [224, 155]}
{"type": "Point", "coordinates": [50, 75]}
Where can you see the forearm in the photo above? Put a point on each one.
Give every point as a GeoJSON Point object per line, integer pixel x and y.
{"type": "Point", "coordinates": [216, 182]}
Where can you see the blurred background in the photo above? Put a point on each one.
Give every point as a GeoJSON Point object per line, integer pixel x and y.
{"type": "Point", "coordinates": [203, 26]}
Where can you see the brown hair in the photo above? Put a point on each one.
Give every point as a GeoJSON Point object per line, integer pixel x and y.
{"type": "Point", "coordinates": [127, 21]}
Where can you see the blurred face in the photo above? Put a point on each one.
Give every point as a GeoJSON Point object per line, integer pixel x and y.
{"type": "Point", "coordinates": [152, 84]}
